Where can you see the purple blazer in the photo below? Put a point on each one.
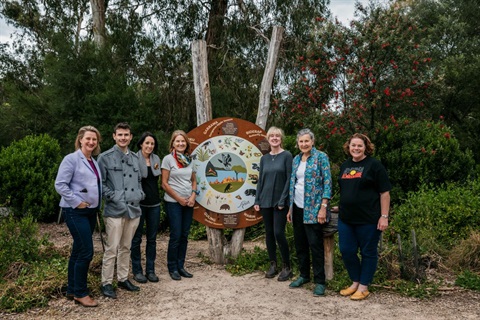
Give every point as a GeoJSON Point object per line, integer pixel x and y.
{"type": "Point", "coordinates": [76, 181]}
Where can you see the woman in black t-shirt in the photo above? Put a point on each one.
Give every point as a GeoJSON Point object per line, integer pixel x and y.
{"type": "Point", "coordinates": [364, 208]}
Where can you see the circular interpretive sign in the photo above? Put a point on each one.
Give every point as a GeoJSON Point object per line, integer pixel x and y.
{"type": "Point", "coordinates": [226, 160]}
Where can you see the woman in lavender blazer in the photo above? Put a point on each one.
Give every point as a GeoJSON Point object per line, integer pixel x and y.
{"type": "Point", "coordinates": [79, 183]}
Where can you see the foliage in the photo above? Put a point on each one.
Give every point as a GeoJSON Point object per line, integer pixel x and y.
{"type": "Point", "coordinates": [34, 286]}
{"type": "Point", "coordinates": [353, 79]}
{"type": "Point", "coordinates": [19, 242]}
{"type": "Point", "coordinates": [246, 262]}
{"type": "Point", "coordinates": [441, 216]}
{"type": "Point", "coordinates": [468, 280]}
{"type": "Point", "coordinates": [31, 270]}
{"type": "Point", "coordinates": [197, 231]}
{"type": "Point", "coordinates": [453, 38]}
{"type": "Point", "coordinates": [56, 78]}
{"type": "Point", "coordinates": [421, 152]}
{"type": "Point", "coordinates": [27, 170]}
{"type": "Point", "coordinates": [466, 254]}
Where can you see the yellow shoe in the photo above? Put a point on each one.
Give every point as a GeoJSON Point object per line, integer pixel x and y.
{"type": "Point", "coordinates": [347, 292]}
{"type": "Point", "coordinates": [360, 295]}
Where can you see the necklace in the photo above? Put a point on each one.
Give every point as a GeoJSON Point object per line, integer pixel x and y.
{"type": "Point", "coordinates": [276, 154]}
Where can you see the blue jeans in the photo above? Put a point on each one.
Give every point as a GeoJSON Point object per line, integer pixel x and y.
{"type": "Point", "coordinates": [180, 219]}
{"type": "Point", "coordinates": [151, 216]}
{"type": "Point", "coordinates": [81, 223]}
{"type": "Point", "coordinates": [308, 237]}
{"type": "Point", "coordinates": [275, 221]}
{"type": "Point", "coordinates": [355, 237]}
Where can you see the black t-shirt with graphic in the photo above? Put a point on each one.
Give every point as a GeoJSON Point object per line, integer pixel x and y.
{"type": "Point", "coordinates": [360, 186]}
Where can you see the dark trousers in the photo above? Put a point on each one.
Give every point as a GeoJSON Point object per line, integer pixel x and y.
{"type": "Point", "coordinates": [308, 237]}
{"type": "Point", "coordinates": [359, 237]}
{"type": "Point", "coordinates": [180, 219]}
{"type": "Point", "coordinates": [151, 217]}
{"type": "Point", "coordinates": [275, 221]}
{"type": "Point", "coordinates": [81, 223]}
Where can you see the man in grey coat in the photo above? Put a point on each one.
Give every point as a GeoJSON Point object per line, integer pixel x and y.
{"type": "Point", "coordinates": [122, 192]}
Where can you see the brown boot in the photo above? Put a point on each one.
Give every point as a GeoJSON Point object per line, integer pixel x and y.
{"type": "Point", "coordinates": [272, 271]}
{"type": "Point", "coordinates": [86, 301]}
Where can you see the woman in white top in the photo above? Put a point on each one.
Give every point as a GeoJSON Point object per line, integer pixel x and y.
{"type": "Point", "coordinates": [310, 191]}
{"type": "Point", "coordinates": [180, 184]}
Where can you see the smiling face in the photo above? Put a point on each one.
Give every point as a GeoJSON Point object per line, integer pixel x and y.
{"type": "Point", "coordinates": [147, 146]}
{"type": "Point", "coordinates": [305, 143]}
{"type": "Point", "coordinates": [88, 142]}
{"type": "Point", "coordinates": [179, 144]}
{"type": "Point", "coordinates": [357, 149]}
{"type": "Point", "coordinates": [275, 139]}
{"type": "Point", "coordinates": [122, 138]}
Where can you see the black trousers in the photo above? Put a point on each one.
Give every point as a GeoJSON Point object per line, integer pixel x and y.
{"type": "Point", "coordinates": [275, 221]}
{"type": "Point", "coordinates": [308, 238]}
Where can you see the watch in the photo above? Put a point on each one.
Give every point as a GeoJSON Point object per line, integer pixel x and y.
{"type": "Point", "coordinates": [385, 216]}
{"type": "Point", "coordinates": [324, 205]}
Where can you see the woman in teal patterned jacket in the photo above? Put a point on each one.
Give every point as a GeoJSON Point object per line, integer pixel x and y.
{"type": "Point", "coordinates": [310, 191]}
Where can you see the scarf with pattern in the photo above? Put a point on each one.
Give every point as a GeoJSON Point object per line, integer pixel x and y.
{"type": "Point", "coordinates": [183, 161]}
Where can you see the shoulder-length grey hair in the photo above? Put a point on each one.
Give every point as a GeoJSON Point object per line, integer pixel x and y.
{"type": "Point", "coordinates": [305, 131]}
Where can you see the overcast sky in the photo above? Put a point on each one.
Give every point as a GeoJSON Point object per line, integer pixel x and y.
{"type": "Point", "coordinates": [343, 9]}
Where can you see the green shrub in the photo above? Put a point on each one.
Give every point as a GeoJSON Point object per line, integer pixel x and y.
{"type": "Point", "coordinates": [416, 153]}
{"type": "Point", "coordinates": [31, 270]}
{"type": "Point", "coordinates": [197, 231]}
{"type": "Point", "coordinates": [247, 262]}
{"type": "Point", "coordinates": [441, 216]}
{"type": "Point", "coordinates": [28, 168]}
{"type": "Point", "coordinates": [35, 285]}
{"type": "Point", "coordinates": [468, 280]}
{"type": "Point", "coordinates": [19, 243]}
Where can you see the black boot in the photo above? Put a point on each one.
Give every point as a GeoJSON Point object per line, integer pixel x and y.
{"type": "Point", "coordinates": [272, 271]}
{"type": "Point", "coordinates": [286, 273]}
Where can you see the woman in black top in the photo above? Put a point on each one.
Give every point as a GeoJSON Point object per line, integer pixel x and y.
{"type": "Point", "coordinates": [364, 208]}
{"type": "Point", "coordinates": [272, 201]}
{"type": "Point", "coordinates": [149, 165]}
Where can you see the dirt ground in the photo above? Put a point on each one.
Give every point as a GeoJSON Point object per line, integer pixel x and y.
{"type": "Point", "coordinates": [214, 294]}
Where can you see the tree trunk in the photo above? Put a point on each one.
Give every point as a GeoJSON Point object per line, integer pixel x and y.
{"type": "Point", "coordinates": [98, 17]}
{"type": "Point", "coordinates": [216, 244]}
{"type": "Point", "coordinates": [201, 82]}
{"type": "Point", "coordinates": [217, 13]}
{"type": "Point", "coordinates": [328, 246]}
{"type": "Point", "coordinates": [267, 81]}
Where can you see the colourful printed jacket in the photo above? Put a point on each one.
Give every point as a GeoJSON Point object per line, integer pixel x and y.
{"type": "Point", "coordinates": [318, 183]}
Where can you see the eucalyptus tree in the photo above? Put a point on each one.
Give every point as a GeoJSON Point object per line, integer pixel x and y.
{"type": "Point", "coordinates": [99, 62]}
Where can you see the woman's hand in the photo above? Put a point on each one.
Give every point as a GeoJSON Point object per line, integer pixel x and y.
{"type": "Point", "coordinates": [191, 200]}
{"type": "Point", "coordinates": [289, 216]}
{"type": "Point", "coordinates": [322, 215]}
{"type": "Point", "coordinates": [256, 207]}
{"type": "Point", "coordinates": [83, 205]}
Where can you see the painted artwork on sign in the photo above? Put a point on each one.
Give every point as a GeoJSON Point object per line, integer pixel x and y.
{"type": "Point", "coordinates": [226, 158]}
{"type": "Point", "coordinates": [227, 173]}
